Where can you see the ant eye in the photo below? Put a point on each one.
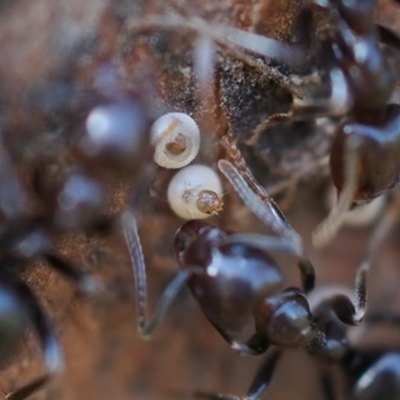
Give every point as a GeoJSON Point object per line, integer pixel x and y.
{"type": "Point", "coordinates": [176, 139]}
{"type": "Point", "coordinates": [195, 192]}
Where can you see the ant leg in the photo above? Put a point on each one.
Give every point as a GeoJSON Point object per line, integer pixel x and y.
{"type": "Point", "coordinates": [263, 209]}
{"type": "Point", "coordinates": [388, 36]}
{"type": "Point", "coordinates": [326, 231]}
{"type": "Point", "coordinates": [337, 104]}
{"type": "Point", "coordinates": [53, 356]}
{"type": "Point", "coordinates": [374, 382]}
{"type": "Point", "coordinates": [378, 318]}
{"type": "Point", "coordinates": [269, 213]}
{"type": "Point", "coordinates": [263, 125]}
{"type": "Point", "coordinates": [86, 283]}
{"type": "Point", "coordinates": [379, 235]}
{"type": "Point", "coordinates": [12, 196]}
{"type": "Point", "coordinates": [256, 345]}
{"type": "Point", "coordinates": [263, 376]}
{"type": "Point", "coordinates": [27, 390]}
{"type": "Point", "coordinates": [327, 385]}
{"type": "Point", "coordinates": [145, 325]}
{"type": "Point", "coordinates": [258, 386]}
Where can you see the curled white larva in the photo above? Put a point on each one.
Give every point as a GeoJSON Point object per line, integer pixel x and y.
{"type": "Point", "coordinates": [176, 140]}
{"type": "Point", "coordinates": [362, 215]}
{"type": "Point", "coordinates": [195, 192]}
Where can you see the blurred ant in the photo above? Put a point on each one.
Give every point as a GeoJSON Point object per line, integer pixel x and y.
{"type": "Point", "coordinates": [21, 243]}
{"type": "Point", "coordinates": [361, 83]}
{"type": "Point", "coordinates": [70, 196]}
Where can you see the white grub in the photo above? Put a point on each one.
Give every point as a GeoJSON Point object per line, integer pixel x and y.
{"type": "Point", "coordinates": [195, 192]}
{"type": "Point", "coordinates": [176, 140]}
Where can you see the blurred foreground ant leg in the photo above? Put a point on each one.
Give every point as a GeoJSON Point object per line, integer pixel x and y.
{"type": "Point", "coordinates": [20, 308]}
{"type": "Point", "coordinates": [338, 103]}
{"type": "Point", "coordinates": [325, 232]}
{"type": "Point", "coordinates": [25, 240]}
{"type": "Point", "coordinates": [27, 390]}
{"type": "Point", "coordinates": [147, 326]}
{"type": "Point", "coordinates": [86, 284]}
{"type": "Point", "coordinates": [258, 386]}
{"type": "Point", "coordinates": [235, 42]}
{"type": "Point", "coordinates": [269, 213]}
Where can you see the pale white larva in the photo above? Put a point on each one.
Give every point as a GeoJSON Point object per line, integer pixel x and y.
{"type": "Point", "coordinates": [176, 140]}
{"type": "Point", "coordinates": [195, 192]}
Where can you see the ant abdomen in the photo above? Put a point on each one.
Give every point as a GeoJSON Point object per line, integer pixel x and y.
{"type": "Point", "coordinates": [226, 279]}
{"type": "Point", "coordinates": [378, 164]}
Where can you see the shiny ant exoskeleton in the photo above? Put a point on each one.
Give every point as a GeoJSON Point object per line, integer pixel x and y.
{"type": "Point", "coordinates": [371, 129]}
{"type": "Point", "coordinates": [362, 84]}
{"type": "Point", "coordinates": [237, 285]}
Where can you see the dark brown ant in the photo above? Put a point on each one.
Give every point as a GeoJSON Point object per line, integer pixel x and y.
{"type": "Point", "coordinates": [69, 198]}
{"type": "Point", "coordinates": [237, 283]}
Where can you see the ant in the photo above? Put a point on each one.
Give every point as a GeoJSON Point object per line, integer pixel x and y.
{"type": "Point", "coordinates": [237, 283]}
{"type": "Point", "coordinates": [73, 197]}
{"type": "Point", "coordinates": [371, 128]}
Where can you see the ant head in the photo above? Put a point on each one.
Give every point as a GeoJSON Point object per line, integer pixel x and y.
{"type": "Point", "coordinates": [193, 235]}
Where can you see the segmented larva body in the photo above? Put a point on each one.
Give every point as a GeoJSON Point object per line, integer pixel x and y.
{"type": "Point", "coordinates": [176, 140]}
{"type": "Point", "coordinates": [195, 192]}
